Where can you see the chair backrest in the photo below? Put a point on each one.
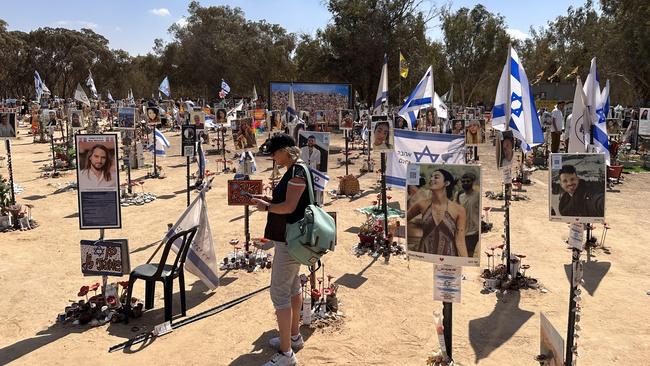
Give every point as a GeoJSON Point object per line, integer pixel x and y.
{"type": "Point", "coordinates": [186, 239]}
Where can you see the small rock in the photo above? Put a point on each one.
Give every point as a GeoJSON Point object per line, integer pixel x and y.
{"type": "Point", "coordinates": [544, 290]}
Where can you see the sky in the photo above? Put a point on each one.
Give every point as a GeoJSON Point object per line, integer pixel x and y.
{"type": "Point", "coordinates": [134, 24]}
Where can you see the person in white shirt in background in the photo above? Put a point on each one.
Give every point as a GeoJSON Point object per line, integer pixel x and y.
{"type": "Point", "coordinates": [310, 154]}
{"type": "Point", "coordinates": [557, 126]}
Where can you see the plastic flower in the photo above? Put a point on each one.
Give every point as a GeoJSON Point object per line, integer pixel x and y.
{"type": "Point", "coordinates": [83, 291]}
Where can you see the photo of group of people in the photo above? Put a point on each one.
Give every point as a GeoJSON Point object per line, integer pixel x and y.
{"type": "Point", "coordinates": [243, 134]}
{"type": "Point", "coordinates": [7, 125]}
{"type": "Point", "coordinates": [125, 117]}
{"type": "Point", "coordinates": [443, 215]}
{"type": "Point", "coordinates": [310, 96]}
{"type": "Point", "coordinates": [577, 188]}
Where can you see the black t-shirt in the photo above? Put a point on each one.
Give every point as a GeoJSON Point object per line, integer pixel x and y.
{"type": "Point", "coordinates": [276, 223]}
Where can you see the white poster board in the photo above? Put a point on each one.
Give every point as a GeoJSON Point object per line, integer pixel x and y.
{"type": "Point", "coordinates": [447, 283]}
{"type": "Point", "coordinates": [644, 121]}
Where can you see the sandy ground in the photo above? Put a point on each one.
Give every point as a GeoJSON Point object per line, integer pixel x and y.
{"type": "Point", "coordinates": [388, 307]}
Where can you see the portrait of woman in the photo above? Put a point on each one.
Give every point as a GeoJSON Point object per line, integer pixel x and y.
{"type": "Point", "coordinates": [381, 134]}
{"type": "Point", "coordinates": [221, 116]}
{"type": "Point", "coordinates": [505, 149]}
{"type": "Point", "coordinates": [153, 115]}
{"type": "Point", "coordinates": [440, 212]}
{"type": "Point", "coordinates": [430, 119]}
{"type": "Point", "coordinates": [458, 127]}
{"type": "Point", "coordinates": [244, 135]}
{"type": "Point", "coordinates": [474, 133]}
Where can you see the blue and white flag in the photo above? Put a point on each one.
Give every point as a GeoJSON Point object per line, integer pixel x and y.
{"type": "Point", "coordinates": [201, 260]}
{"type": "Point", "coordinates": [319, 179]}
{"type": "Point", "coordinates": [514, 99]}
{"type": "Point", "coordinates": [90, 83]}
{"type": "Point", "coordinates": [161, 143]}
{"type": "Point", "coordinates": [224, 86]}
{"type": "Point", "coordinates": [577, 135]}
{"type": "Point", "coordinates": [604, 97]}
{"type": "Point", "coordinates": [422, 147]}
{"type": "Point", "coordinates": [110, 97]}
{"type": "Point", "coordinates": [164, 87]}
{"type": "Point", "coordinates": [130, 99]}
{"type": "Point", "coordinates": [382, 90]}
{"type": "Point", "coordinates": [201, 160]}
{"type": "Point", "coordinates": [596, 108]}
{"type": "Point", "coordinates": [40, 86]}
{"type": "Point", "coordinates": [421, 97]}
{"type": "Point", "coordinates": [364, 133]}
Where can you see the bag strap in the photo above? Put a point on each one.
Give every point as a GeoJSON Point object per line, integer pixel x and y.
{"type": "Point", "coordinates": [309, 185]}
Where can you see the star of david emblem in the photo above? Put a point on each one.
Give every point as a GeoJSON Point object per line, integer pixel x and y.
{"type": "Point", "coordinates": [99, 251]}
{"type": "Point", "coordinates": [601, 115]}
{"type": "Point", "coordinates": [516, 104]}
{"type": "Point", "coordinates": [425, 152]}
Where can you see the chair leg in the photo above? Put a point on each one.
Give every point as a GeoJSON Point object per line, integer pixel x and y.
{"type": "Point", "coordinates": [149, 292]}
{"type": "Point", "coordinates": [127, 305]}
{"type": "Point", "coordinates": [181, 284]}
{"type": "Point", "coordinates": [168, 284]}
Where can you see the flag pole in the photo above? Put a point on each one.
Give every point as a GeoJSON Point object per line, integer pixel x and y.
{"type": "Point", "coordinates": [507, 181]}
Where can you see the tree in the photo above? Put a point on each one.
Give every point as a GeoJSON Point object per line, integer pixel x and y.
{"type": "Point", "coordinates": [476, 45]}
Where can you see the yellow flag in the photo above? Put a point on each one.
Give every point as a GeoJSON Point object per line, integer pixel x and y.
{"type": "Point", "coordinates": [403, 66]}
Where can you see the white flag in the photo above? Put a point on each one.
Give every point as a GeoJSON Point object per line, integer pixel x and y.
{"type": "Point", "coordinates": [201, 260]}
{"type": "Point", "coordinates": [254, 94]}
{"type": "Point", "coordinates": [596, 108]}
{"type": "Point", "coordinates": [80, 95]}
{"type": "Point", "coordinates": [90, 83]}
{"type": "Point", "coordinates": [578, 137]}
{"type": "Point", "coordinates": [422, 147]}
{"type": "Point", "coordinates": [382, 90]}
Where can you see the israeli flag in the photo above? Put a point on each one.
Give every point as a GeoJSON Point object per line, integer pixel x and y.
{"type": "Point", "coordinates": [39, 86]}
{"type": "Point", "coordinates": [161, 143]}
{"type": "Point", "coordinates": [110, 97]}
{"type": "Point", "coordinates": [382, 90]}
{"type": "Point", "coordinates": [164, 87]}
{"type": "Point", "coordinates": [441, 108]}
{"type": "Point", "coordinates": [604, 97]}
{"type": "Point", "coordinates": [515, 100]}
{"type": "Point", "coordinates": [422, 147]}
{"type": "Point", "coordinates": [421, 97]}
{"type": "Point", "coordinates": [201, 160]}
{"type": "Point", "coordinates": [201, 260]}
{"type": "Point", "coordinates": [291, 106]}
{"type": "Point", "coordinates": [90, 83]}
{"type": "Point", "coordinates": [596, 107]}
{"type": "Point", "coordinates": [80, 95]}
{"type": "Point", "coordinates": [319, 179]}
{"type": "Point", "coordinates": [225, 86]}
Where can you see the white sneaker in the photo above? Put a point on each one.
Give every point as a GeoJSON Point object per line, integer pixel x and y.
{"type": "Point", "coordinates": [295, 345]}
{"type": "Point", "coordinates": [280, 359]}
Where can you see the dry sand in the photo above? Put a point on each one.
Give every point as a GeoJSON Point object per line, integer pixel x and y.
{"type": "Point", "coordinates": [388, 307]}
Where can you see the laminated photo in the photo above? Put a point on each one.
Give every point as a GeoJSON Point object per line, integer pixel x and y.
{"type": "Point", "coordinates": [346, 119]}
{"type": "Point", "coordinates": [7, 125]}
{"type": "Point", "coordinates": [125, 118]}
{"type": "Point", "coordinates": [382, 135]}
{"type": "Point", "coordinates": [243, 135]}
{"type": "Point", "coordinates": [577, 188]}
{"type": "Point", "coordinates": [153, 116]}
{"type": "Point", "coordinates": [314, 149]}
{"type": "Point", "coordinates": [443, 218]}
{"type": "Point", "coordinates": [505, 149]}
{"type": "Point", "coordinates": [475, 132]}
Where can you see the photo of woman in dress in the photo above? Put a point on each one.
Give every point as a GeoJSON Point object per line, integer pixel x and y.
{"type": "Point", "coordinates": [437, 221]}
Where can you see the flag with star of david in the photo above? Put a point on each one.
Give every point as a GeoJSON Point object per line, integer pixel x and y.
{"type": "Point", "coordinates": [421, 147]}
{"type": "Point", "coordinates": [514, 101]}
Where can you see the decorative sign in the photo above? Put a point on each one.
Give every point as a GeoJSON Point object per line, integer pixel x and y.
{"type": "Point", "coordinates": [447, 283]}
{"type": "Point", "coordinates": [105, 257]}
{"type": "Point", "coordinates": [575, 235]}
{"type": "Point", "coordinates": [188, 140]}
{"type": "Point", "coordinates": [238, 188]}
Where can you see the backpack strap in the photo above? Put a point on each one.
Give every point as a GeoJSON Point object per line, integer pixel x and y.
{"type": "Point", "coordinates": [308, 177]}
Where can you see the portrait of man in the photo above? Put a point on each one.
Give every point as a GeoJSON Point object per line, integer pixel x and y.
{"type": "Point", "coordinates": [505, 149]}
{"type": "Point", "coordinates": [197, 118]}
{"type": "Point", "coordinates": [98, 170]}
{"type": "Point", "coordinates": [346, 119]}
{"type": "Point", "coordinates": [7, 125]}
{"type": "Point", "coordinates": [443, 217]}
{"type": "Point", "coordinates": [75, 119]}
{"type": "Point", "coordinates": [310, 154]}
{"type": "Point", "coordinates": [51, 118]}
{"type": "Point", "coordinates": [577, 187]}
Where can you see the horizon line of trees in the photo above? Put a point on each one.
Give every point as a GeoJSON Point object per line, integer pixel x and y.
{"type": "Point", "coordinates": [219, 42]}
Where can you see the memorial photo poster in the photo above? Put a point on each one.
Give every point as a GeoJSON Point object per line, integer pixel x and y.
{"type": "Point", "coordinates": [577, 188]}
{"type": "Point", "coordinates": [314, 149]}
{"type": "Point", "coordinates": [243, 135]}
{"type": "Point", "coordinates": [277, 120]}
{"type": "Point", "coordinates": [7, 125]}
{"type": "Point", "coordinates": [197, 118]}
{"type": "Point", "coordinates": [475, 132]}
{"type": "Point", "coordinates": [125, 117]}
{"type": "Point", "coordinates": [505, 149]}
{"type": "Point", "coordinates": [443, 201]}
{"type": "Point", "coordinates": [188, 140]}
{"type": "Point", "coordinates": [382, 135]}
{"type": "Point", "coordinates": [153, 116]}
{"type": "Point", "coordinates": [98, 181]}
{"type": "Point", "coordinates": [346, 119]}
{"type": "Point", "coordinates": [220, 116]}
{"type": "Point", "coordinates": [310, 97]}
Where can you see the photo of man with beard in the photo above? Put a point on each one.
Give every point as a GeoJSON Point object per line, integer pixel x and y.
{"type": "Point", "coordinates": [98, 169]}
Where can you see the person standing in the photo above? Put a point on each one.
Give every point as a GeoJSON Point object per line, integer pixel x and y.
{"type": "Point", "coordinates": [287, 205]}
{"type": "Point", "coordinates": [470, 200]}
{"type": "Point", "coordinates": [557, 126]}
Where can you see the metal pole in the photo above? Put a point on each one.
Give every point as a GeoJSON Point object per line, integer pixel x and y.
{"type": "Point", "coordinates": [53, 155]}
{"type": "Point", "coordinates": [369, 143]}
{"type": "Point", "coordinates": [506, 196]}
{"type": "Point", "coordinates": [346, 152]}
{"type": "Point", "coordinates": [384, 205]}
{"type": "Point", "coordinates": [155, 168]}
{"type": "Point", "coordinates": [247, 231]}
{"type": "Point", "coordinates": [572, 315]}
{"type": "Point", "coordinates": [188, 181]}
{"type": "Point", "coordinates": [11, 171]}
{"type": "Point", "coordinates": [223, 147]}
{"type": "Point", "coordinates": [446, 325]}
